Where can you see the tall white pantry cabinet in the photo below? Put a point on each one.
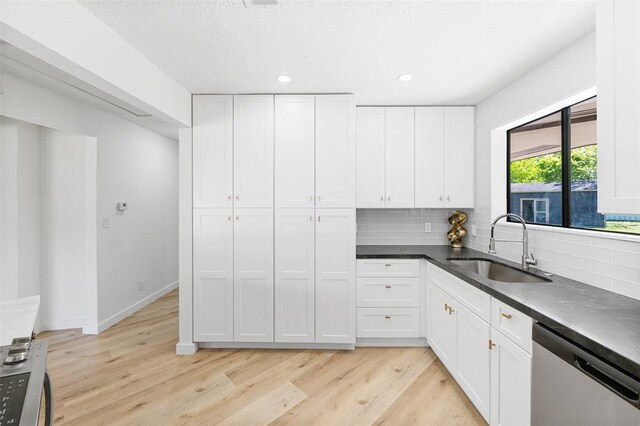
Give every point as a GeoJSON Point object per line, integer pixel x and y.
{"type": "Point", "coordinates": [274, 219]}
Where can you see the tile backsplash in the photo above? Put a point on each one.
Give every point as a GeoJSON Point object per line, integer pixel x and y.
{"type": "Point", "coordinates": [402, 226]}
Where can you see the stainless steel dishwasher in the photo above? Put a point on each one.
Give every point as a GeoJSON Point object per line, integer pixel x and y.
{"type": "Point", "coordinates": [571, 386]}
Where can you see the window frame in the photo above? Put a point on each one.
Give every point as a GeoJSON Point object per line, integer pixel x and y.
{"type": "Point", "coordinates": [565, 146]}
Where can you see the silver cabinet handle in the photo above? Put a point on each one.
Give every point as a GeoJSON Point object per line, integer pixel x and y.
{"type": "Point", "coordinates": [311, 218]}
{"type": "Point", "coordinates": [387, 317]}
{"type": "Point", "coordinates": [440, 198]}
{"type": "Point", "coordinates": [228, 218]}
{"type": "Point", "coordinates": [237, 197]}
{"type": "Point", "coordinates": [448, 198]}
{"type": "Point", "coordinates": [229, 197]}
{"type": "Point", "coordinates": [389, 198]}
{"type": "Point", "coordinates": [318, 218]}
{"type": "Point", "coordinates": [387, 286]}
{"type": "Point", "coordinates": [237, 218]}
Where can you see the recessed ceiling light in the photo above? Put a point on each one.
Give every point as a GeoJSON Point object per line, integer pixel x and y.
{"type": "Point", "coordinates": [404, 77]}
{"type": "Point", "coordinates": [284, 78]}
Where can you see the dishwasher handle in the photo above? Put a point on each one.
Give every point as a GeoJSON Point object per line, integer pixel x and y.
{"type": "Point", "coordinates": [609, 380]}
{"type": "Point", "coordinates": [622, 383]}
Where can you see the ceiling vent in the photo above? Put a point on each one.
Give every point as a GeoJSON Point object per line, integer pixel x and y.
{"type": "Point", "coordinates": [259, 3]}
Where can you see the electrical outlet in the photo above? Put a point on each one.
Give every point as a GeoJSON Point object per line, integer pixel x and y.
{"type": "Point", "coordinates": [140, 285]}
{"type": "Point", "coordinates": [105, 222]}
{"type": "Point", "coordinates": [474, 231]}
{"type": "Point", "coordinates": [427, 227]}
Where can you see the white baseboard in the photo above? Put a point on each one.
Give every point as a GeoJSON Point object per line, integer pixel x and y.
{"type": "Point", "coordinates": [186, 348]}
{"type": "Point", "coordinates": [399, 342]}
{"type": "Point", "coordinates": [114, 319]}
{"type": "Point", "coordinates": [269, 345]}
{"type": "Point", "coordinates": [63, 324]}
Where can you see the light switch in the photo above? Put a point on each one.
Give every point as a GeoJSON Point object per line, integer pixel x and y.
{"type": "Point", "coordinates": [105, 222]}
{"type": "Point", "coordinates": [427, 227]}
{"type": "Point", "coordinates": [474, 230]}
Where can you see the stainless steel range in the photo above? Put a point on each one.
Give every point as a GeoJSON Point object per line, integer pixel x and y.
{"type": "Point", "coordinates": [23, 376]}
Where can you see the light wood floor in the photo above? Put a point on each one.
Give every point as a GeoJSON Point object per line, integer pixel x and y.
{"type": "Point", "coordinates": [131, 375]}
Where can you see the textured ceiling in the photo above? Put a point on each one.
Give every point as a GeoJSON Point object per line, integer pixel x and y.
{"type": "Point", "coordinates": [459, 52]}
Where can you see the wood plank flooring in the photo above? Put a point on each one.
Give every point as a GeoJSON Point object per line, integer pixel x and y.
{"type": "Point", "coordinates": [130, 375]}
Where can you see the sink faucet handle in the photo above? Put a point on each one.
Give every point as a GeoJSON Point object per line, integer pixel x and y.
{"type": "Point", "coordinates": [531, 260]}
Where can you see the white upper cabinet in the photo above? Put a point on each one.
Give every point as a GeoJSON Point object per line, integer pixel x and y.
{"type": "Point", "coordinates": [295, 275]}
{"type": "Point", "coordinates": [253, 150]}
{"type": "Point", "coordinates": [370, 157]}
{"type": "Point", "coordinates": [294, 151]}
{"type": "Point", "coordinates": [399, 154]}
{"type": "Point", "coordinates": [429, 183]}
{"type": "Point", "coordinates": [212, 151]}
{"type": "Point", "coordinates": [335, 276]}
{"type": "Point", "coordinates": [213, 275]}
{"type": "Point", "coordinates": [618, 67]}
{"type": "Point", "coordinates": [444, 157]}
{"type": "Point", "coordinates": [459, 136]}
{"type": "Point", "coordinates": [253, 275]}
{"type": "Point", "coordinates": [335, 151]}
{"type": "Point", "coordinates": [385, 145]}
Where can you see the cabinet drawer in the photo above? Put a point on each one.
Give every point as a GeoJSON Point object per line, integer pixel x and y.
{"type": "Point", "coordinates": [388, 292]}
{"type": "Point", "coordinates": [476, 300]}
{"type": "Point", "coordinates": [388, 322]}
{"type": "Point", "coordinates": [388, 268]}
{"type": "Point", "coordinates": [512, 323]}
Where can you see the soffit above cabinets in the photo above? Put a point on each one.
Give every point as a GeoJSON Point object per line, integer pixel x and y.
{"type": "Point", "coordinates": [458, 52]}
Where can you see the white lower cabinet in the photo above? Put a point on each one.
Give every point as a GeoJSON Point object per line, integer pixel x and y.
{"type": "Point", "coordinates": [493, 370]}
{"type": "Point", "coordinates": [253, 275]}
{"type": "Point", "coordinates": [295, 275]}
{"type": "Point", "coordinates": [473, 365]}
{"type": "Point", "coordinates": [510, 382]}
{"type": "Point", "coordinates": [388, 322]}
{"type": "Point", "coordinates": [213, 275]}
{"type": "Point", "coordinates": [335, 276]}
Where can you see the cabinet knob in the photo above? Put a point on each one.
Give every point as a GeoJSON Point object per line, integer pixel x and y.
{"type": "Point", "coordinates": [311, 198]}
{"type": "Point", "coordinates": [448, 198]}
{"type": "Point", "coordinates": [237, 197]}
{"type": "Point", "coordinates": [387, 264]}
{"type": "Point", "coordinates": [311, 218]}
{"type": "Point", "coordinates": [440, 198]}
{"type": "Point", "coordinates": [507, 316]}
{"type": "Point", "coordinates": [387, 286]}
{"type": "Point", "coordinates": [491, 344]}
{"type": "Point", "coordinates": [228, 218]}
{"type": "Point", "coordinates": [318, 198]}
{"type": "Point", "coordinates": [318, 218]}
{"type": "Point", "coordinates": [387, 317]}
{"type": "Point", "coordinates": [237, 218]}
{"type": "Point", "coordinates": [229, 197]}
{"type": "Point", "coordinates": [389, 198]}
{"type": "Point", "coordinates": [451, 310]}
{"type": "Point", "coordinates": [382, 198]}
{"type": "Point", "coordinates": [446, 307]}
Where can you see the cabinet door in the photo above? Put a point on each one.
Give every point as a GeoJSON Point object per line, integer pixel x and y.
{"type": "Point", "coordinates": [473, 363]}
{"type": "Point", "coordinates": [213, 275]}
{"type": "Point", "coordinates": [399, 157]}
{"type": "Point", "coordinates": [618, 69]}
{"type": "Point", "coordinates": [429, 164]}
{"type": "Point", "coordinates": [370, 157]}
{"type": "Point", "coordinates": [253, 275]}
{"type": "Point", "coordinates": [441, 326]}
{"type": "Point", "coordinates": [212, 151]}
{"type": "Point", "coordinates": [335, 151]}
{"type": "Point", "coordinates": [295, 275]}
{"type": "Point", "coordinates": [510, 382]}
{"type": "Point", "coordinates": [335, 276]}
{"type": "Point", "coordinates": [459, 131]}
{"type": "Point", "coordinates": [253, 150]}
{"type": "Point", "coordinates": [294, 151]}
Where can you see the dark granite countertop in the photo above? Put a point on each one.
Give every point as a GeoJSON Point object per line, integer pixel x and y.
{"type": "Point", "coordinates": [604, 322]}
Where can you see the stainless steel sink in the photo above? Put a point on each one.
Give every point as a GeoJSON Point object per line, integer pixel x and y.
{"type": "Point", "coordinates": [498, 272]}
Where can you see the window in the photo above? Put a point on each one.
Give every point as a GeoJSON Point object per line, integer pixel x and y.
{"type": "Point", "coordinates": [552, 172]}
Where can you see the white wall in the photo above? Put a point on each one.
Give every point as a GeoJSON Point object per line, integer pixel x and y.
{"type": "Point", "coordinates": [607, 262]}
{"type": "Point", "coordinates": [8, 209]}
{"type": "Point", "coordinates": [134, 165]}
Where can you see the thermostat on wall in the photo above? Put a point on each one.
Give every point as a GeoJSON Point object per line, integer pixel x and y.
{"type": "Point", "coordinates": [122, 206]}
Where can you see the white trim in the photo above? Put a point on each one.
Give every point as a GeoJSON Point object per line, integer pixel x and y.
{"type": "Point", "coordinates": [186, 348]}
{"type": "Point", "coordinates": [64, 324]}
{"type": "Point", "coordinates": [114, 319]}
{"type": "Point", "coordinates": [395, 342]}
{"type": "Point", "coordinates": [279, 345]}
{"type": "Point", "coordinates": [499, 172]}
{"type": "Point", "coordinates": [185, 234]}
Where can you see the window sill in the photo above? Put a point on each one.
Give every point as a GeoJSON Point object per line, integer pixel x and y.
{"type": "Point", "coordinates": [582, 232]}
